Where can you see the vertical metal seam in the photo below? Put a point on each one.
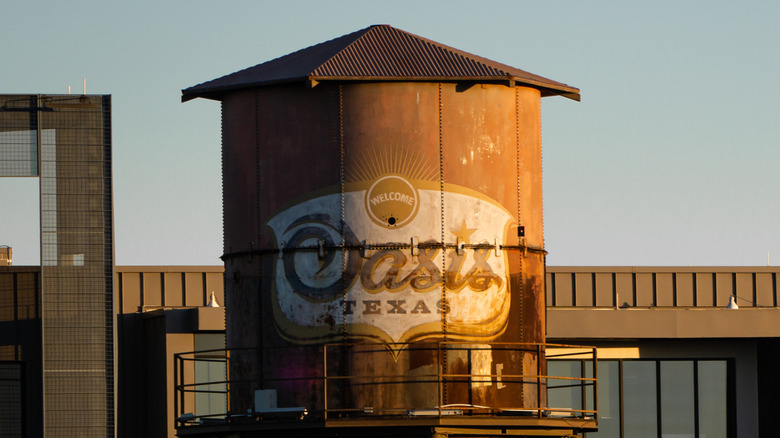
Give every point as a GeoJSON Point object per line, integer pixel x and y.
{"type": "Point", "coordinates": [443, 305]}
{"type": "Point", "coordinates": [517, 156]}
{"type": "Point", "coordinates": [225, 288]}
{"type": "Point", "coordinates": [341, 223]}
{"type": "Point", "coordinates": [755, 291]}
{"type": "Point", "coordinates": [573, 288]}
{"type": "Point", "coordinates": [517, 179]}
{"type": "Point", "coordinates": [222, 168]}
{"type": "Point", "coordinates": [183, 285]}
{"type": "Point", "coordinates": [714, 290]}
{"type": "Point", "coordinates": [257, 167]}
{"type": "Point", "coordinates": [517, 184]}
{"type": "Point", "coordinates": [615, 296]}
{"type": "Point", "coordinates": [162, 289]}
{"type": "Point", "coordinates": [543, 254]}
{"type": "Point", "coordinates": [206, 289]}
{"type": "Point", "coordinates": [261, 336]}
{"type": "Point", "coordinates": [225, 249]}
{"type": "Point", "coordinates": [655, 289]}
{"type": "Point", "coordinates": [541, 178]}
{"type": "Point", "coordinates": [520, 288]}
{"type": "Point", "coordinates": [441, 212]}
{"type": "Point", "coordinates": [141, 287]}
{"type": "Point", "coordinates": [345, 368]}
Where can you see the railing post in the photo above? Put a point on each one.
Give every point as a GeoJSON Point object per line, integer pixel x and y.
{"type": "Point", "coordinates": [583, 386]}
{"type": "Point", "coordinates": [596, 384]}
{"type": "Point", "coordinates": [539, 379]}
{"type": "Point", "coordinates": [325, 380]}
{"type": "Point", "coordinates": [439, 376]}
{"type": "Point", "coordinates": [227, 384]}
{"type": "Point", "coordinates": [181, 391]}
{"type": "Point", "coordinates": [176, 390]}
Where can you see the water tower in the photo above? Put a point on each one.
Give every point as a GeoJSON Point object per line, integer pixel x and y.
{"type": "Point", "coordinates": [383, 245]}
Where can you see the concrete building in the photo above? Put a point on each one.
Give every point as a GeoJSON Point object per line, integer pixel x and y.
{"type": "Point", "coordinates": [161, 311]}
{"type": "Point", "coordinates": [673, 357]}
{"type": "Point", "coordinates": [682, 351]}
{"type": "Point", "coordinates": [65, 142]}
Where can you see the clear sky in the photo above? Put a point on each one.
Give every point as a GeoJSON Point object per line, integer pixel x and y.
{"type": "Point", "coordinates": [671, 158]}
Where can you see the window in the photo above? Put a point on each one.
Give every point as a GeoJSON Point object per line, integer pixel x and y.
{"type": "Point", "coordinates": [653, 398]}
{"type": "Point", "coordinates": [212, 398]}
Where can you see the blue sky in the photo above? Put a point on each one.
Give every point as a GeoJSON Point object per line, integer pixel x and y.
{"type": "Point", "coordinates": [671, 158]}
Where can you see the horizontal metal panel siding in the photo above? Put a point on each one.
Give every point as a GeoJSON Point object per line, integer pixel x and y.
{"type": "Point", "coordinates": [620, 286]}
{"type": "Point", "coordinates": [151, 288]}
{"type": "Point", "coordinates": [661, 287]}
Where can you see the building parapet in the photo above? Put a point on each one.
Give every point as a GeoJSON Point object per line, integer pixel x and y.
{"type": "Point", "coordinates": [649, 287]}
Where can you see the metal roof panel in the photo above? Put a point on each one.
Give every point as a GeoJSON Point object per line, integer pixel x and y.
{"type": "Point", "coordinates": [379, 53]}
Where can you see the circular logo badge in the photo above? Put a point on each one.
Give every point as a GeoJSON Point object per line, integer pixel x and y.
{"type": "Point", "coordinates": [392, 201]}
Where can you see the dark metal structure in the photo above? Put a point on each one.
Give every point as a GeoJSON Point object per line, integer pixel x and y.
{"type": "Point", "coordinates": [65, 140]}
{"type": "Point", "coordinates": [382, 195]}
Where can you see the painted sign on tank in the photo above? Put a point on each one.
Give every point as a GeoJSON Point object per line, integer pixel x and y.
{"type": "Point", "coordinates": [394, 281]}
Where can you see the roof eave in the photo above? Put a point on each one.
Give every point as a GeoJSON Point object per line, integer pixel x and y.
{"type": "Point", "coordinates": [547, 89]}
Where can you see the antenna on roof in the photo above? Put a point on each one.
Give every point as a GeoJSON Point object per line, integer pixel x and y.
{"type": "Point", "coordinates": [85, 86]}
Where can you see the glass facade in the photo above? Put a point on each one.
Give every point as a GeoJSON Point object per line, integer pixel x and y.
{"type": "Point", "coordinates": [11, 399]}
{"type": "Point", "coordinates": [654, 398]}
{"type": "Point", "coordinates": [210, 399]}
{"type": "Point", "coordinates": [609, 398]}
{"type": "Point", "coordinates": [639, 399]}
{"type": "Point", "coordinates": [65, 140]}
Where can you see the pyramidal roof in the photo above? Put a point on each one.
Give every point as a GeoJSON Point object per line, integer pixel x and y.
{"type": "Point", "coordinates": [377, 53]}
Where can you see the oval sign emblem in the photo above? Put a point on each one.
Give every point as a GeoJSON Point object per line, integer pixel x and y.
{"type": "Point", "coordinates": [391, 201]}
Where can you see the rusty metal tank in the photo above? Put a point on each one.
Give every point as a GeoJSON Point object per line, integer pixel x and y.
{"type": "Point", "coordinates": [383, 227]}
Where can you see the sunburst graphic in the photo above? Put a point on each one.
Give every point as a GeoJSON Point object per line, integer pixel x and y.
{"type": "Point", "coordinates": [371, 164]}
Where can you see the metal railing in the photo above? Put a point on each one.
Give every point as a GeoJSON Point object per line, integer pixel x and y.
{"type": "Point", "coordinates": [457, 376]}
